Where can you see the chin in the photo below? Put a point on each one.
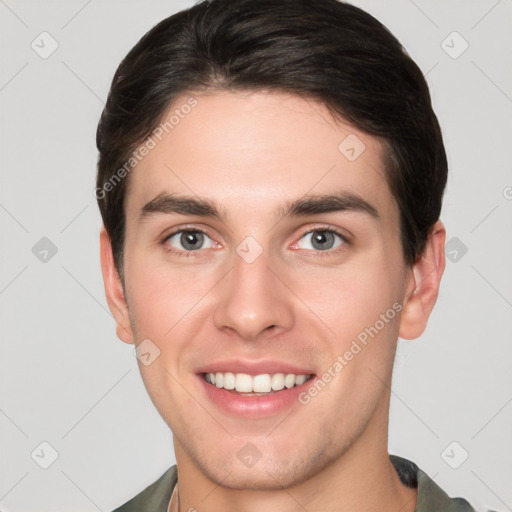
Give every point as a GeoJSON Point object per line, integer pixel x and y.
{"type": "Point", "coordinates": [265, 475]}
{"type": "Point", "coordinates": [261, 479]}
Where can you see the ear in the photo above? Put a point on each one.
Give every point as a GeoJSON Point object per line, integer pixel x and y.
{"type": "Point", "coordinates": [114, 290]}
{"type": "Point", "coordinates": [423, 285]}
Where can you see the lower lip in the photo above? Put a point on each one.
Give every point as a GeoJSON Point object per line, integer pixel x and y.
{"type": "Point", "coordinates": [253, 406]}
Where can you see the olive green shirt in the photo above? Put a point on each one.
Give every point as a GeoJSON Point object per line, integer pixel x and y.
{"type": "Point", "coordinates": [431, 498]}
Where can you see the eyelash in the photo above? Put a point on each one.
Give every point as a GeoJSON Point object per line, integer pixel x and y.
{"type": "Point", "coordinates": [196, 253]}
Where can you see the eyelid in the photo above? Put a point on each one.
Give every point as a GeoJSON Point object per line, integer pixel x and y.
{"type": "Point", "coordinates": [332, 229]}
{"type": "Point", "coordinates": [185, 228]}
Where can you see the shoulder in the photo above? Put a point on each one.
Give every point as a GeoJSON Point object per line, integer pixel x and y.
{"type": "Point", "coordinates": [155, 497]}
{"type": "Point", "coordinates": [430, 496]}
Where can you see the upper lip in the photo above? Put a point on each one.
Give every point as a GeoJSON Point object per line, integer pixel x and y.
{"type": "Point", "coordinates": [254, 367]}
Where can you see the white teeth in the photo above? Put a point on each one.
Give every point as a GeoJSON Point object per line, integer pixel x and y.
{"type": "Point", "coordinates": [289, 380]}
{"type": "Point", "coordinates": [262, 383]}
{"type": "Point", "coordinates": [229, 380]}
{"type": "Point", "coordinates": [300, 379]}
{"type": "Point", "coordinates": [243, 383]}
{"type": "Point", "coordinates": [277, 381]}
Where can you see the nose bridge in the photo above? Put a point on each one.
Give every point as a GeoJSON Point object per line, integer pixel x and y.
{"type": "Point", "coordinates": [252, 298]}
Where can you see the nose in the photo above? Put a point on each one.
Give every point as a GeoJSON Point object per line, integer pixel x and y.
{"type": "Point", "coordinates": [253, 300]}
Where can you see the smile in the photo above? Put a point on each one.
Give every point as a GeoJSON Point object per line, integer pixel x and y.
{"type": "Point", "coordinates": [255, 385]}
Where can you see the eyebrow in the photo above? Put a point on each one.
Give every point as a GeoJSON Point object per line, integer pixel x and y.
{"type": "Point", "coordinates": [308, 205]}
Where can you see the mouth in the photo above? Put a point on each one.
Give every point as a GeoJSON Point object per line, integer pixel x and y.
{"type": "Point", "coordinates": [263, 384]}
{"type": "Point", "coordinates": [252, 394]}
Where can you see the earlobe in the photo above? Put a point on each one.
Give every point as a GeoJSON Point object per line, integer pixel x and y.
{"type": "Point", "coordinates": [423, 285]}
{"type": "Point", "coordinates": [114, 290]}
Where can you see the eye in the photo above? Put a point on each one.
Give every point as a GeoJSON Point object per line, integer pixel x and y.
{"type": "Point", "coordinates": [322, 240]}
{"type": "Point", "coordinates": [189, 240]}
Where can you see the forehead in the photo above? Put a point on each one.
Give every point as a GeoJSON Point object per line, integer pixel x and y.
{"type": "Point", "coordinates": [257, 150]}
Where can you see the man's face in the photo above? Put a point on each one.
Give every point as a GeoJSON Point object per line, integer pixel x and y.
{"type": "Point", "coordinates": [263, 291]}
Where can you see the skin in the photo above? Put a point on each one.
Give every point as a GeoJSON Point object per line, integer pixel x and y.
{"type": "Point", "coordinates": [251, 153]}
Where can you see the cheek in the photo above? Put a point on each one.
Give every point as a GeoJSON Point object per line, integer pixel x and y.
{"type": "Point", "coordinates": [353, 296]}
{"type": "Point", "coordinates": [160, 293]}
{"type": "Point", "coordinates": [148, 296]}
{"type": "Point", "coordinates": [361, 306]}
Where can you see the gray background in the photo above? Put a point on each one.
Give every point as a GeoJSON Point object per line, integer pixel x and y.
{"type": "Point", "coordinates": [67, 380]}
